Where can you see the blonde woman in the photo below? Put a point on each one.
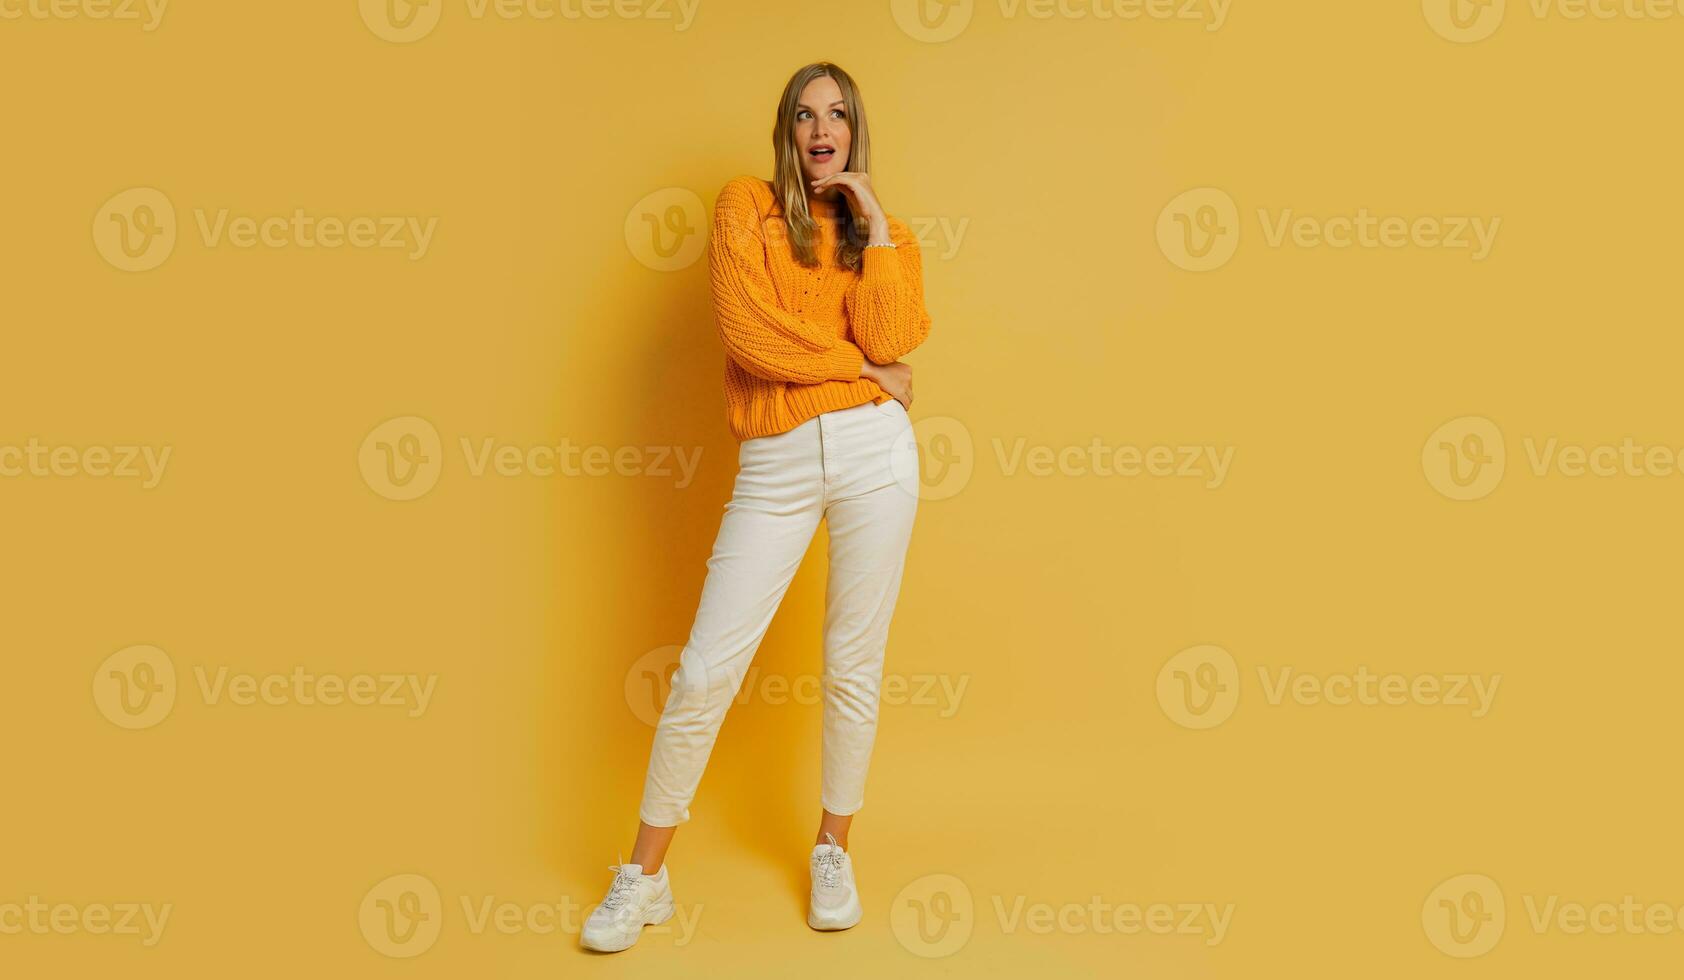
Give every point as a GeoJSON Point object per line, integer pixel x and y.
{"type": "Point", "coordinates": [818, 293]}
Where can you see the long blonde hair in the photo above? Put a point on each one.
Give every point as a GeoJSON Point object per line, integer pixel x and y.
{"type": "Point", "coordinates": [789, 185]}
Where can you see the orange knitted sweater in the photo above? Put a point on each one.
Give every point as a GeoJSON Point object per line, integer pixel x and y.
{"type": "Point", "coordinates": [795, 338]}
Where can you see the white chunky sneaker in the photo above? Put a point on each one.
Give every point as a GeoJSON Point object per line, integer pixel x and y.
{"type": "Point", "coordinates": [634, 900]}
{"type": "Point", "coordinates": [833, 903]}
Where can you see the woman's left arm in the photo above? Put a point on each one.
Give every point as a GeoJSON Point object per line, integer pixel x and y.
{"type": "Point", "coordinates": [886, 305]}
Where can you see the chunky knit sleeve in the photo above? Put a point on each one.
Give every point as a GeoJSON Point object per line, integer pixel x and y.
{"type": "Point", "coordinates": [886, 305]}
{"type": "Point", "coordinates": [756, 330]}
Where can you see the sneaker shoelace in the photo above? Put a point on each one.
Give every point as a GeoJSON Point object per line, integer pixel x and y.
{"type": "Point", "coordinates": [625, 880]}
{"type": "Point", "coordinates": [830, 863]}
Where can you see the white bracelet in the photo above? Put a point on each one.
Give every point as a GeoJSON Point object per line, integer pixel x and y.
{"type": "Point", "coordinates": [881, 245]}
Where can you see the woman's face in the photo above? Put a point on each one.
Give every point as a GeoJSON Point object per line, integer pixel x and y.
{"type": "Point", "coordinates": [821, 124]}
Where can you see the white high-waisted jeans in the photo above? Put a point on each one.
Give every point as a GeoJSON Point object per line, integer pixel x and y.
{"type": "Point", "coordinates": [841, 466]}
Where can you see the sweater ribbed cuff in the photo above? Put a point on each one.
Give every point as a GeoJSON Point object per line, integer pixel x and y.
{"type": "Point", "coordinates": [879, 265]}
{"type": "Point", "coordinates": [845, 362]}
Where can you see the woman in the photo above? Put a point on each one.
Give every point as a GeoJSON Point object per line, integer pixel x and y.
{"type": "Point", "coordinates": [817, 294]}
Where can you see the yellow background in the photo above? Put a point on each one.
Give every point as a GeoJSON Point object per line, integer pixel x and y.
{"type": "Point", "coordinates": [1056, 599]}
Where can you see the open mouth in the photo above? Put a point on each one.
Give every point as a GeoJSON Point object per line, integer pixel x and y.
{"type": "Point", "coordinates": [821, 151]}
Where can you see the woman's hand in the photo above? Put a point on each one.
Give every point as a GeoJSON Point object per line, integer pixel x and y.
{"type": "Point", "coordinates": [896, 379]}
{"type": "Point", "coordinates": [862, 200]}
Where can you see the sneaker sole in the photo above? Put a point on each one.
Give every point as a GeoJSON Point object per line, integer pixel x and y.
{"type": "Point", "coordinates": [847, 920]}
{"type": "Point", "coordinates": [656, 915]}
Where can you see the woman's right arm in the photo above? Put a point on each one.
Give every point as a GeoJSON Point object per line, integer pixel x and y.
{"type": "Point", "coordinates": [756, 330]}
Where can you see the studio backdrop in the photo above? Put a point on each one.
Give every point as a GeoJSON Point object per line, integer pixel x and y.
{"type": "Point", "coordinates": [1294, 576]}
